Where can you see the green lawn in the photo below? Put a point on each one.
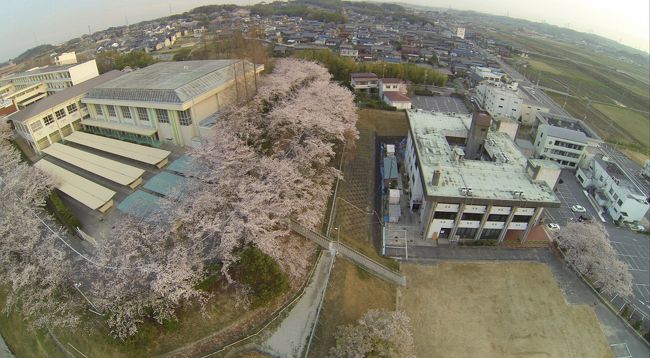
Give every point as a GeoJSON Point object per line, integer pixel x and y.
{"type": "Point", "coordinates": [24, 342]}
{"type": "Point", "coordinates": [636, 123]}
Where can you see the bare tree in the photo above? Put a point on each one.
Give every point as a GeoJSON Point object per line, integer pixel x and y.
{"type": "Point", "coordinates": [588, 249]}
{"type": "Point", "coordinates": [377, 334]}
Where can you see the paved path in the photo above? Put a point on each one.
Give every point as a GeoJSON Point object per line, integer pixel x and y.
{"type": "Point", "coordinates": [4, 350]}
{"type": "Point", "coordinates": [291, 336]}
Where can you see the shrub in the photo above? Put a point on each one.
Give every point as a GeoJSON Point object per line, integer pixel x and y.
{"type": "Point", "coordinates": [62, 212]}
{"type": "Point", "coordinates": [261, 273]}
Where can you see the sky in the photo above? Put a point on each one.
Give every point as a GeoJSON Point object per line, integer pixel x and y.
{"type": "Point", "coordinates": [28, 23]}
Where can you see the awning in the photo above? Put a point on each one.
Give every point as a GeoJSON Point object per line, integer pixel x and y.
{"type": "Point", "coordinates": [119, 127]}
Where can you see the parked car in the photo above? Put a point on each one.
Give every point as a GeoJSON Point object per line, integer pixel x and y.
{"type": "Point", "coordinates": [578, 209]}
{"type": "Point", "coordinates": [553, 226]}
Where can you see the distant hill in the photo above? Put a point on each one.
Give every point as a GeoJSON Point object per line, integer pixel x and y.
{"type": "Point", "coordinates": [34, 52]}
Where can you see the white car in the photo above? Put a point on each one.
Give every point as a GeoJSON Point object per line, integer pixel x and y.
{"type": "Point", "coordinates": [553, 226]}
{"type": "Point", "coordinates": [578, 209]}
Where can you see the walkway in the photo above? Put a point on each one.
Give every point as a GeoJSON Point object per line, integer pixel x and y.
{"type": "Point", "coordinates": [289, 338]}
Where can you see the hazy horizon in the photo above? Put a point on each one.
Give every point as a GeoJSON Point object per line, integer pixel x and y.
{"type": "Point", "coordinates": [56, 21]}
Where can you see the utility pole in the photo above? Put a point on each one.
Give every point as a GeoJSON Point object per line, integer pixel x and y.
{"type": "Point", "coordinates": [94, 310]}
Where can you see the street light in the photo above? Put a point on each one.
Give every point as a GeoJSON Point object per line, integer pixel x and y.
{"type": "Point", "coordinates": [338, 233]}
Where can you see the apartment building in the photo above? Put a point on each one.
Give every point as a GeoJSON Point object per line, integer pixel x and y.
{"type": "Point", "coordinates": [54, 78]}
{"type": "Point", "coordinates": [169, 102]}
{"type": "Point", "coordinates": [470, 183]}
{"type": "Point", "coordinates": [55, 117]}
{"type": "Point", "coordinates": [562, 145]}
{"type": "Point", "coordinates": [498, 101]}
{"type": "Point", "coordinates": [613, 190]}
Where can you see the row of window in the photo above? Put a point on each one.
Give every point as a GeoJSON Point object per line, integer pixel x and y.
{"type": "Point", "coordinates": [184, 117]}
{"type": "Point", "coordinates": [49, 119]}
{"type": "Point", "coordinates": [43, 77]}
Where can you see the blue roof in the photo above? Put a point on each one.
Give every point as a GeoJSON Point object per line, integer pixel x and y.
{"type": "Point", "coordinates": [180, 165]}
{"type": "Point", "coordinates": [390, 168]}
{"type": "Point", "coordinates": [164, 183]}
{"type": "Point", "coordinates": [139, 203]}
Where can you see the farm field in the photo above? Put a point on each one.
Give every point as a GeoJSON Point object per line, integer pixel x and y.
{"type": "Point", "coordinates": [636, 123]}
{"type": "Point", "coordinates": [501, 309]}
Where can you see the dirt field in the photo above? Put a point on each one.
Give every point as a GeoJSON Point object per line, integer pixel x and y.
{"type": "Point", "coordinates": [496, 310]}
{"type": "Point", "coordinates": [351, 293]}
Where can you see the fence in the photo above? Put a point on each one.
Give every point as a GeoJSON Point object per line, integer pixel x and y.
{"type": "Point", "coordinates": [357, 257]}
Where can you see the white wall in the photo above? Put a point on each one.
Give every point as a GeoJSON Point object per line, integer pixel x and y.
{"type": "Point", "coordinates": [83, 72]}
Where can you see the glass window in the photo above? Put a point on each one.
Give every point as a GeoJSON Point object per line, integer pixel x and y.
{"type": "Point", "coordinates": [163, 116]}
{"type": "Point", "coordinates": [98, 110]}
{"type": "Point", "coordinates": [142, 114]}
{"type": "Point", "coordinates": [111, 111]}
{"type": "Point", "coordinates": [48, 119]}
{"type": "Point", "coordinates": [126, 112]}
{"type": "Point", "coordinates": [59, 114]}
{"type": "Point", "coordinates": [620, 202]}
{"type": "Point", "coordinates": [185, 118]}
{"type": "Point", "coordinates": [36, 125]}
{"type": "Point", "coordinates": [72, 108]}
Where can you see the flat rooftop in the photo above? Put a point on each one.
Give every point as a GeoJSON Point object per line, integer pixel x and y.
{"type": "Point", "coordinates": [496, 179]}
{"type": "Point", "coordinates": [568, 123]}
{"type": "Point", "coordinates": [167, 82]}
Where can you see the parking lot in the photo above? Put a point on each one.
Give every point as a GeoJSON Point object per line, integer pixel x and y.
{"type": "Point", "coordinates": [633, 248]}
{"type": "Point", "coordinates": [439, 104]}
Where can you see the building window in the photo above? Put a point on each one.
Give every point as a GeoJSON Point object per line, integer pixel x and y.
{"type": "Point", "coordinates": [49, 119]}
{"type": "Point", "coordinates": [611, 190]}
{"type": "Point", "coordinates": [36, 125]}
{"type": "Point", "coordinates": [71, 108]}
{"type": "Point", "coordinates": [142, 114]}
{"type": "Point", "coordinates": [185, 118]}
{"type": "Point", "coordinates": [98, 110]}
{"type": "Point", "coordinates": [111, 111]}
{"type": "Point", "coordinates": [619, 202]}
{"type": "Point", "coordinates": [163, 116]}
{"type": "Point", "coordinates": [126, 112]}
{"type": "Point", "coordinates": [59, 114]}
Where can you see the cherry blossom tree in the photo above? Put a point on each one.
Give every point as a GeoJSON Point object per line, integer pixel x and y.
{"type": "Point", "coordinates": [33, 263]}
{"type": "Point", "coordinates": [377, 334]}
{"type": "Point", "coordinates": [268, 164]}
{"type": "Point", "coordinates": [587, 247]}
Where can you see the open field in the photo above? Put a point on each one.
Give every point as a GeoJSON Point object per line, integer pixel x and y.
{"type": "Point", "coordinates": [356, 188]}
{"type": "Point", "coordinates": [639, 158]}
{"type": "Point", "coordinates": [636, 123]}
{"type": "Point", "coordinates": [350, 294]}
{"type": "Point", "coordinates": [582, 71]}
{"type": "Point", "coordinates": [503, 309]}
